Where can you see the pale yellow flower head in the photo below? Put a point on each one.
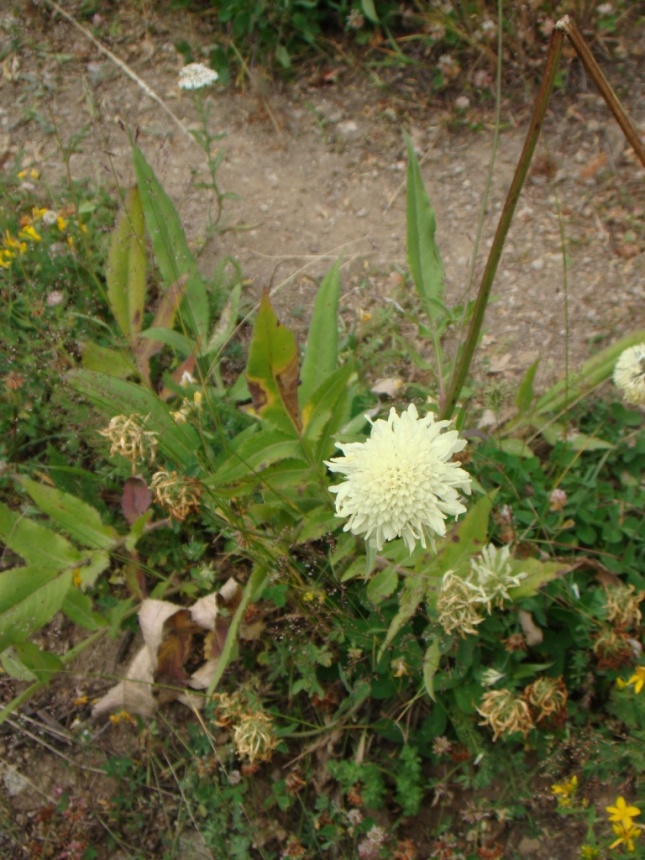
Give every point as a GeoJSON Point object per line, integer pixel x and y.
{"type": "Point", "coordinates": [401, 482]}
{"type": "Point", "coordinates": [629, 374]}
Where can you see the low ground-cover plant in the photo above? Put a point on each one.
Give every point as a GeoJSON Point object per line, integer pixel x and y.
{"type": "Point", "coordinates": [442, 613]}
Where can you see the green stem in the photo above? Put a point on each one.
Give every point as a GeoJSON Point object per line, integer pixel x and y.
{"type": "Point", "coordinates": [461, 368]}
{"type": "Point", "coordinates": [253, 586]}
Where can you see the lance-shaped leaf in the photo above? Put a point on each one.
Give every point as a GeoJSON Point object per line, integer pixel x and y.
{"type": "Point", "coordinates": [424, 258]}
{"type": "Point", "coordinates": [39, 546]}
{"type": "Point", "coordinates": [321, 353]}
{"type": "Point", "coordinates": [272, 370]}
{"type": "Point", "coordinates": [125, 272]}
{"type": "Point", "coordinates": [170, 246]}
{"type": "Point", "coordinates": [149, 344]}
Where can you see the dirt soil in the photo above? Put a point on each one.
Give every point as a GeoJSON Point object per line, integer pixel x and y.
{"type": "Point", "coordinates": [318, 167]}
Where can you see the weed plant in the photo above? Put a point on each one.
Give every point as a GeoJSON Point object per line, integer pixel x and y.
{"type": "Point", "coordinates": [353, 622]}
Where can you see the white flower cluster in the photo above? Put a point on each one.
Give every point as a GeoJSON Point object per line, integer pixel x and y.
{"type": "Point", "coordinates": [491, 577]}
{"type": "Point", "coordinates": [400, 482]}
{"type": "Point", "coordinates": [463, 599]}
{"type": "Point", "coordinates": [629, 374]}
{"type": "Point", "coordinates": [195, 76]}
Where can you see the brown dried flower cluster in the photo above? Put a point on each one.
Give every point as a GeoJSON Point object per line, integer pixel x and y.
{"type": "Point", "coordinates": [253, 733]}
{"type": "Point", "coordinates": [456, 607]}
{"type": "Point", "coordinates": [547, 698]}
{"type": "Point", "coordinates": [129, 438]}
{"type": "Point", "coordinates": [178, 495]}
{"type": "Point", "coordinates": [505, 713]}
{"type": "Point", "coordinates": [623, 606]}
{"type": "Point", "coordinates": [613, 649]}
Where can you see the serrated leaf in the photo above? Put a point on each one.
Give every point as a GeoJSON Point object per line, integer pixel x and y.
{"type": "Point", "coordinates": [272, 370]}
{"type": "Point", "coordinates": [525, 392]}
{"type": "Point", "coordinates": [79, 520]}
{"type": "Point", "coordinates": [39, 546]}
{"type": "Point", "coordinates": [424, 258]}
{"type": "Point", "coordinates": [29, 598]}
{"type": "Point", "coordinates": [171, 250]}
{"type": "Point", "coordinates": [125, 272]}
{"type": "Point", "coordinates": [321, 352]}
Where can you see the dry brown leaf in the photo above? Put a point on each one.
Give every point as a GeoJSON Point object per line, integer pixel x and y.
{"type": "Point", "coordinates": [169, 633]}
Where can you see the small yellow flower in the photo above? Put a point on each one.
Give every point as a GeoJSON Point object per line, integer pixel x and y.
{"type": "Point", "coordinates": [5, 259]}
{"type": "Point", "coordinates": [589, 852]}
{"type": "Point", "coordinates": [22, 174]}
{"type": "Point", "coordinates": [622, 813]}
{"type": "Point", "coordinates": [637, 679]}
{"type": "Point", "coordinates": [70, 241]}
{"type": "Point", "coordinates": [34, 174]}
{"type": "Point", "coordinates": [626, 834]}
{"type": "Point", "coordinates": [29, 232]}
{"type": "Point", "coordinates": [565, 791]}
{"type": "Point", "coordinates": [9, 240]}
{"type": "Point", "coordinates": [61, 223]}
{"type": "Point", "coordinates": [37, 214]}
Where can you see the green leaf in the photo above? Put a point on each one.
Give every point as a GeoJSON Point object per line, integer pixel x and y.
{"type": "Point", "coordinates": [29, 598]}
{"type": "Point", "coordinates": [178, 442]}
{"type": "Point", "coordinates": [539, 573]}
{"type": "Point", "coordinates": [38, 545]}
{"type": "Point", "coordinates": [554, 433]}
{"type": "Point", "coordinates": [369, 10]}
{"type": "Point", "coordinates": [412, 593]}
{"type": "Point", "coordinates": [174, 339]}
{"type": "Point", "coordinates": [272, 370]}
{"type": "Point", "coordinates": [326, 412]}
{"type": "Point", "coordinates": [382, 585]}
{"type": "Point", "coordinates": [105, 360]}
{"type": "Point", "coordinates": [78, 607]}
{"type": "Point", "coordinates": [42, 664]}
{"type": "Point", "coordinates": [468, 537]}
{"type": "Point", "coordinates": [431, 661]}
{"type": "Point", "coordinates": [424, 258]}
{"type": "Point", "coordinates": [321, 352]}
{"type": "Point", "coordinates": [78, 519]}
{"type": "Point", "coordinates": [254, 455]}
{"type": "Point", "coordinates": [525, 393]}
{"type": "Point", "coordinates": [125, 271]}
{"type": "Point", "coordinates": [226, 323]}
{"type": "Point", "coordinates": [592, 373]}
{"type": "Point", "coordinates": [171, 250]}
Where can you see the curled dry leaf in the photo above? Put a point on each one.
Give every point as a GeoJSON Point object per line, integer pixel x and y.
{"type": "Point", "coordinates": [176, 640]}
{"type": "Point", "coordinates": [532, 633]}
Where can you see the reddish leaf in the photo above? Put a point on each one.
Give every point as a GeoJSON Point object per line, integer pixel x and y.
{"type": "Point", "coordinates": [135, 499]}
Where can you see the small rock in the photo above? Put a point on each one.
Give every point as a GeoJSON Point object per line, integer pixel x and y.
{"type": "Point", "coordinates": [348, 128]}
